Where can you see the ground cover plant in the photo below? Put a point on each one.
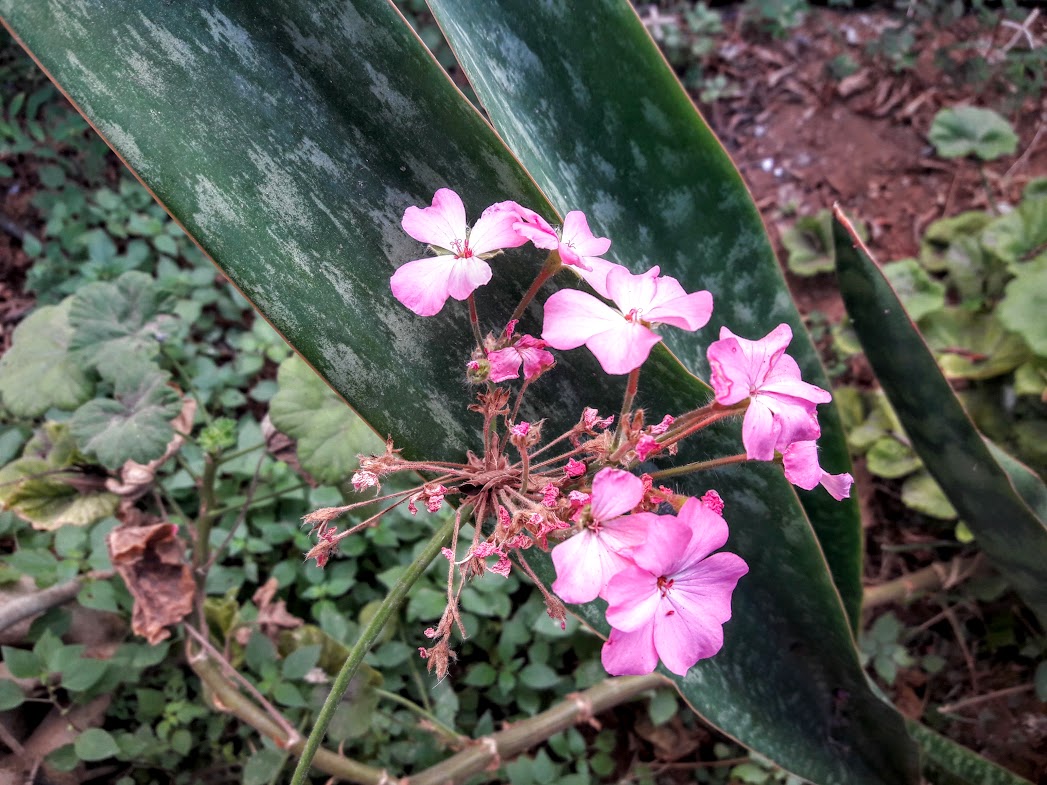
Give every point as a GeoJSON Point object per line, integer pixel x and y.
{"type": "Point", "coordinates": [148, 334]}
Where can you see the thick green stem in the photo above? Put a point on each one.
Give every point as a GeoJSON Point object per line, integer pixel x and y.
{"type": "Point", "coordinates": [367, 638]}
{"type": "Point", "coordinates": [697, 466]}
{"type": "Point", "coordinates": [549, 269]}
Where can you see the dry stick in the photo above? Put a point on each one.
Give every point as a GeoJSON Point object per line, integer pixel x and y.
{"type": "Point", "coordinates": [514, 740]}
{"type": "Point", "coordinates": [1028, 150]}
{"type": "Point", "coordinates": [929, 579]}
{"type": "Point", "coordinates": [962, 643]}
{"type": "Point", "coordinates": [231, 699]}
{"type": "Point", "coordinates": [23, 607]}
{"type": "Point", "coordinates": [975, 700]}
{"type": "Point", "coordinates": [274, 713]}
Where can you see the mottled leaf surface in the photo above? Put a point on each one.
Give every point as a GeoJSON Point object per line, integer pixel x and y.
{"type": "Point", "coordinates": [947, 763]}
{"type": "Point", "coordinates": [1007, 528]}
{"type": "Point", "coordinates": [288, 139]}
{"type": "Point", "coordinates": [581, 94]}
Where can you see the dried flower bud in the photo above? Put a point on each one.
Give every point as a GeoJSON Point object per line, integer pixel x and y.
{"type": "Point", "coordinates": [574, 468]}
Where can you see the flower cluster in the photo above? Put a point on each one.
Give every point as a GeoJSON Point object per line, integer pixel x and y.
{"type": "Point", "coordinates": [652, 554]}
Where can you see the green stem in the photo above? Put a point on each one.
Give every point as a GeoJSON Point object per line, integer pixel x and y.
{"type": "Point", "coordinates": [698, 466]}
{"type": "Point", "coordinates": [549, 269]}
{"type": "Point", "coordinates": [228, 456]}
{"type": "Point", "coordinates": [447, 732]}
{"type": "Point", "coordinates": [367, 639]}
{"type": "Point", "coordinates": [263, 498]}
{"type": "Point", "coordinates": [187, 380]}
{"type": "Point", "coordinates": [207, 515]}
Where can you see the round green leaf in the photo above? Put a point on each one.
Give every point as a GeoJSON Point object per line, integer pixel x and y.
{"type": "Point", "coordinates": [1024, 306]}
{"type": "Point", "coordinates": [921, 493]}
{"type": "Point", "coordinates": [944, 232]}
{"type": "Point", "coordinates": [968, 130]}
{"type": "Point", "coordinates": [11, 695]}
{"type": "Point", "coordinates": [328, 433]}
{"type": "Point", "coordinates": [809, 243]}
{"type": "Point", "coordinates": [973, 345]}
{"type": "Point", "coordinates": [95, 744]}
{"type": "Point", "coordinates": [889, 458]}
{"type": "Point", "coordinates": [38, 372]}
{"type": "Point", "coordinates": [134, 425]}
{"type": "Point", "coordinates": [919, 293]}
{"type": "Point", "coordinates": [1020, 235]}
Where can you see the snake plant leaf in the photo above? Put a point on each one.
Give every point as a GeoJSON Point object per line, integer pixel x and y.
{"type": "Point", "coordinates": [288, 138]}
{"type": "Point", "coordinates": [595, 115]}
{"type": "Point", "coordinates": [947, 763]}
{"type": "Point", "coordinates": [920, 293]}
{"type": "Point", "coordinates": [1007, 528]}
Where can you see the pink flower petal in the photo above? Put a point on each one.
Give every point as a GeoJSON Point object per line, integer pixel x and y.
{"type": "Point", "coordinates": [422, 285]}
{"type": "Point", "coordinates": [690, 312]}
{"type": "Point", "coordinates": [705, 587]}
{"type": "Point", "coordinates": [662, 553]}
{"type": "Point", "coordinates": [682, 638]}
{"type": "Point", "coordinates": [632, 598]}
{"type": "Point", "coordinates": [740, 365]}
{"type": "Point", "coordinates": [505, 364]}
{"type": "Point", "coordinates": [838, 485]}
{"type": "Point", "coordinates": [795, 420]}
{"type": "Point", "coordinates": [533, 227]}
{"type": "Point", "coordinates": [630, 653]}
{"type": "Point", "coordinates": [630, 291]}
{"type": "Point", "coordinates": [800, 460]}
{"type": "Point", "coordinates": [573, 317]}
{"type": "Point", "coordinates": [467, 275]}
{"type": "Point", "coordinates": [709, 530]}
{"type": "Point", "coordinates": [535, 358]}
{"type": "Point", "coordinates": [623, 348]}
{"type": "Point", "coordinates": [495, 231]}
{"type": "Point", "coordinates": [583, 565]}
{"type": "Point", "coordinates": [577, 242]}
{"type": "Point", "coordinates": [760, 431]}
{"type": "Point", "coordinates": [596, 277]}
{"type": "Point", "coordinates": [615, 492]}
{"type": "Point", "coordinates": [439, 225]}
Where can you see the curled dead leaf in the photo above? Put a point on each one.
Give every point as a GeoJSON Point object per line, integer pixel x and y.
{"type": "Point", "coordinates": [283, 448]}
{"type": "Point", "coordinates": [136, 478]}
{"type": "Point", "coordinates": [273, 616]}
{"type": "Point", "coordinates": [149, 559]}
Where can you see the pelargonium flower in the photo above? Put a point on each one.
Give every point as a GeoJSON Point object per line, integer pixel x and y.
{"type": "Point", "coordinates": [459, 267]}
{"type": "Point", "coordinates": [783, 407]}
{"type": "Point", "coordinates": [576, 244]}
{"type": "Point", "coordinates": [671, 602]}
{"type": "Point", "coordinates": [505, 363]}
{"type": "Point", "coordinates": [622, 338]}
{"type": "Point", "coordinates": [586, 561]}
{"type": "Point", "coordinates": [803, 470]}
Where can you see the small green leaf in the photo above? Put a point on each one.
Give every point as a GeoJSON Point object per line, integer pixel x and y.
{"type": "Point", "coordinates": [945, 232]}
{"type": "Point", "coordinates": [1024, 306]}
{"type": "Point", "coordinates": [1020, 235]}
{"type": "Point", "coordinates": [972, 345]}
{"type": "Point", "coordinates": [919, 293]}
{"type": "Point", "coordinates": [38, 372]}
{"type": "Point", "coordinates": [260, 766]}
{"type": "Point", "coordinates": [84, 674]}
{"type": "Point", "coordinates": [259, 652]}
{"type": "Point", "coordinates": [538, 676]}
{"type": "Point", "coordinates": [968, 130]}
{"type": "Point", "coordinates": [11, 695]}
{"type": "Point", "coordinates": [136, 426]}
{"type": "Point", "coordinates": [118, 324]}
{"type": "Point", "coordinates": [662, 707]}
{"type": "Point", "coordinates": [299, 662]}
{"type": "Point", "coordinates": [810, 244]}
{"type": "Point", "coordinates": [889, 458]}
{"type": "Point", "coordinates": [328, 433]}
{"type": "Point", "coordinates": [95, 744]}
{"type": "Point", "coordinates": [921, 493]}
{"type": "Point", "coordinates": [480, 674]}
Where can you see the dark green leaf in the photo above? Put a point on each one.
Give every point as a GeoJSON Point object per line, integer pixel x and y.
{"type": "Point", "coordinates": [38, 372]}
{"type": "Point", "coordinates": [919, 293]}
{"type": "Point", "coordinates": [1024, 305]}
{"type": "Point", "coordinates": [11, 695]}
{"type": "Point", "coordinates": [538, 676]}
{"type": "Point", "coordinates": [299, 662]}
{"type": "Point", "coordinates": [947, 763]}
{"type": "Point", "coordinates": [135, 425]}
{"type": "Point", "coordinates": [260, 766]}
{"type": "Point", "coordinates": [1008, 530]}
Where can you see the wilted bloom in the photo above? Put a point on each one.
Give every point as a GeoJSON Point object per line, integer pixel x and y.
{"type": "Point", "coordinates": [671, 601]}
{"type": "Point", "coordinates": [574, 468]}
{"type": "Point", "coordinates": [783, 407]}
{"type": "Point", "coordinates": [591, 419]}
{"type": "Point", "coordinates": [576, 244]}
{"type": "Point", "coordinates": [803, 470]}
{"type": "Point", "coordinates": [459, 268]}
{"type": "Point", "coordinates": [364, 479]}
{"type": "Point", "coordinates": [712, 500]}
{"type": "Point", "coordinates": [587, 560]}
{"type": "Point", "coordinates": [520, 429]}
{"type": "Point", "coordinates": [622, 339]}
{"type": "Point", "coordinates": [505, 363]}
{"type": "Point", "coordinates": [645, 446]}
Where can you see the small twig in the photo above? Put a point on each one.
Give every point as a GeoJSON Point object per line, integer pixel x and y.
{"type": "Point", "coordinates": [932, 578]}
{"type": "Point", "coordinates": [962, 643]}
{"type": "Point", "coordinates": [975, 700]}
{"type": "Point", "coordinates": [223, 663]}
{"type": "Point", "coordinates": [449, 734]}
{"type": "Point", "coordinates": [12, 743]}
{"type": "Point", "coordinates": [19, 608]}
{"type": "Point", "coordinates": [1028, 150]}
{"type": "Point", "coordinates": [239, 518]}
{"type": "Point", "coordinates": [526, 733]}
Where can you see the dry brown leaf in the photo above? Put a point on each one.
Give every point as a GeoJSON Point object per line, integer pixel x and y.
{"type": "Point", "coordinates": [283, 448]}
{"type": "Point", "coordinates": [149, 559]}
{"type": "Point", "coordinates": [273, 616]}
{"type": "Point", "coordinates": [136, 478]}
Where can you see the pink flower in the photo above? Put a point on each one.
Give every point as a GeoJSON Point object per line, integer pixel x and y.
{"type": "Point", "coordinates": [622, 339]}
{"type": "Point", "coordinates": [520, 430]}
{"type": "Point", "coordinates": [712, 500]}
{"type": "Point", "coordinates": [802, 469]}
{"type": "Point", "coordinates": [591, 419]}
{"type": "Point", "coordinates": [783, 408]}
{"type": "Point", "coordinates": [576, 244]}
{"type": "Point", "coordinates": [505, 363]}
{"type": "Point", "coordinates": [574, 468]}
{"type": "Point", "coordinates": [585, 562]}
{"type": "Point", "coordinates": [671, 602]}
{"type": "Point", "coordinates": [663, 426]}
{"type": "Point", "coordinates": [364, 479]}
{"type": "Point", "coordinates": [645, 446]}
{"type": "Point", "coordinates": [550, 493]}
{"type": "Point", "coordinates": [459, 268]}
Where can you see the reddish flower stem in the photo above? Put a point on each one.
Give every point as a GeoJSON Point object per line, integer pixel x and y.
{"type": "Point", "coordinates": [698, 466]}
{"type": "Point", "coordinates": [549, 269]}
{"type": "Point", "coordinates": [474, 322]}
